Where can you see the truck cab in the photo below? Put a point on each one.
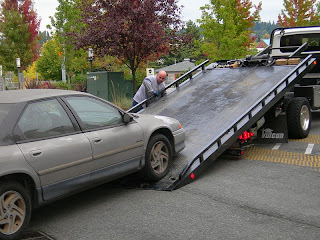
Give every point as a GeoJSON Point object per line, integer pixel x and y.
{"type": "Point", "coordinates": [285, 41]}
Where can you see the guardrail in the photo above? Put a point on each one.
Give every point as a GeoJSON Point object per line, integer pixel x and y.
{"type": "Point", "coordinates": [186, 76]}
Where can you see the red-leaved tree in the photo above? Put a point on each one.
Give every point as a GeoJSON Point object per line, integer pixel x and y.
{"type": "Point", "coordinates": [30, 17]}
{"type": "Point", "coordinates": [298, 13]}
{"type": "Point", "coordinates": [131, 30]}
{"type": "Point", "coordinates": [19, 28]}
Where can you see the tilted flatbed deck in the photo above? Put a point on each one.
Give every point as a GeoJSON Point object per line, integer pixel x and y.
{"type": "Point", "coordinates": [215, 107]}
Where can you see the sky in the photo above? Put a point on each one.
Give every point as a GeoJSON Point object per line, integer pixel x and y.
{"type": "Point", "coordinates": [190, 11]}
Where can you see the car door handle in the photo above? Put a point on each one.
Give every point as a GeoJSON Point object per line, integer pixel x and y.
{"type": "Point", "coordinates": [97, 140]}
{"type": "Point", "coordinates": [36, 153]}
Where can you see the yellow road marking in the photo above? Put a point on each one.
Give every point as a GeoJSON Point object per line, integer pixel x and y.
{"type": "Point", "coordinates": [284, 157]}
{"type": "Point", "coordinates": [312, 138]}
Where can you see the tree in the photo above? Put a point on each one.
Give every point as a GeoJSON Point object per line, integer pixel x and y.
{"type": "Point", "coordinates": [49, 64]}
{"type": "Point", "coordinates": [262, 28]}
{"type": "Point", "coordinates": [43, 37]}
{"type": "Point", "coordinates": [193, 49]}
{"type": "Point", "coordinates": [298, 13]}
{"type": "Point", "coordinates": [66, 20]}
{"type": "Point", "coordinates": [189, 48]}
{"type": "Point", "coordinates": [131, 30]}
{"type": "Point", "coordinates": [19, 27]}
{"type": "Point", "coordinates": [30, 74]}
{"type": "Point", "coordinates": [227, 27]}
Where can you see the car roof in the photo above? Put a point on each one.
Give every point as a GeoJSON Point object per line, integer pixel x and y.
{"type": "Point", "coordinates": [16, 96]}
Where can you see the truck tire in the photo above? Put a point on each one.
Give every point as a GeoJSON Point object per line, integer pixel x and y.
{"type": "Point", "coordinates": [298, 117]}
{"type": "Point", "coordinates": [15, 210]}
{"type": "Point", "coordinates": [158, 158]}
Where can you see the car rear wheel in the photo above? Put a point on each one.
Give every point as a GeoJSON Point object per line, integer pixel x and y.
{"type": "Point", "coordinates": [158, 158]}
{"type": "Point", "coordinates": [299, 117]}
{"type": "Point", "coordinates": [15, 210]}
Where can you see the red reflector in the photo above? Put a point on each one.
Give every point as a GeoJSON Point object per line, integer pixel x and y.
{"type": "Point", "coordinates": [315, 62]}
{"type": "Point", "coordinates": [192, 176]}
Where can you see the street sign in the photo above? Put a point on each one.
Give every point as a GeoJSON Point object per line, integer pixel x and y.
{"type": "Point", "coordinates": [150, 71]}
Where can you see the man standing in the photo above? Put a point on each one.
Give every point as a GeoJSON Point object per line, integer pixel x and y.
{"type": "Point", "coordinates": [151, 85]}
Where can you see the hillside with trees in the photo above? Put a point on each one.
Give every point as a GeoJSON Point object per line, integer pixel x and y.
{"type": "Point", "coordinates": [263, 29]}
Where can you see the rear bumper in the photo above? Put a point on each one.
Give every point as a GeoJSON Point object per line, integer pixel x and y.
{"type": "Point", "coordinates": [179, 136]}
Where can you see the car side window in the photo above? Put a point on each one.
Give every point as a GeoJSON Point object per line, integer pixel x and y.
{"type": "Point", "coordinates": [43, 119]}
{"type": "Point", "coordinates": [94, 113]}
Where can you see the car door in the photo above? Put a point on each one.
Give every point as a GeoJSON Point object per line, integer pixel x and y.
{"type": "Point", "coordinates": [117, 147]}
{"type": "Point", "coordinates": [55, 147]}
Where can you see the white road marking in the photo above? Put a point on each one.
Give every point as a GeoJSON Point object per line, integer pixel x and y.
{"type": "Point", "coordinates": [309, 148]}
{"type": "Point", "coordinates": [277, 146]}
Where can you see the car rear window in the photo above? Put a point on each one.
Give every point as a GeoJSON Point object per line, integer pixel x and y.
{"type": "Point", "coordinates": [4, 128]}
{"type": "Point", "coordinates": [4, 110]}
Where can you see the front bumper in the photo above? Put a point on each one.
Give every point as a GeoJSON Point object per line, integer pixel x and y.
{"type": "Point", "coordinates": [179, 136]}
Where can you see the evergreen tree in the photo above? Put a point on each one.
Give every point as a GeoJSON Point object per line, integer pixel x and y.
{"type": "Point", "coordinates": [262, 28]}
{"type": "Point", "coordinates": [43, 37]}
{"type": "Point", "coordinates": [189, 48]}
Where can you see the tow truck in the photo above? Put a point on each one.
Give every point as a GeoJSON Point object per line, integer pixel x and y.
{"type": "Point", "coordinates": [226, 103]}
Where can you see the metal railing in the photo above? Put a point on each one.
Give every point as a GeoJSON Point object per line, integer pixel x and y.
{"type": "Point", "coordinates": [186, 76]}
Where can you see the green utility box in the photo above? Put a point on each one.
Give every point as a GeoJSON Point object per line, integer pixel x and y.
{"type": "Point", "coordinates": [109, 85]}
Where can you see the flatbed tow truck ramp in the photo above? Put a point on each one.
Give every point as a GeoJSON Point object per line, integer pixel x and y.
{"type": "Point", "coordinates": [215, 106]}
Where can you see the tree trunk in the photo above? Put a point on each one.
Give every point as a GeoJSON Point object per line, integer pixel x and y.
{"type": "Point", "coordinates": [134, 83]}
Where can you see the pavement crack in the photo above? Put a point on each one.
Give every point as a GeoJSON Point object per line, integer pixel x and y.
{"type": "Point", "coordinates": [251, 209]}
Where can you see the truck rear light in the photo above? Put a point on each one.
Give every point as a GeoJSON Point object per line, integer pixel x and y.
{"type": "Point", "coordinates": [245, 136]}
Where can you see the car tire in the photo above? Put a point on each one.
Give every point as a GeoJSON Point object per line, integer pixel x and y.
{"type": "Point", "coordinates": [15, 207]}
{"type": "Point", "coordinates": [298, 118]}
{"type": "Point", "coordinates": [158, 158]}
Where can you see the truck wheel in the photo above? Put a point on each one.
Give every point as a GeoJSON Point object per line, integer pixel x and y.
{"type": "Point", "coordinates": [299, 117]}
{"type": "Point", "coordinates": [15, 210]}
{"type": "Point", "coordinates": [158, 158]}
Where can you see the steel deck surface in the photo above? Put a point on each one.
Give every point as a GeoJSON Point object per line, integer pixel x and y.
{"type": "Point", "coordinates": [211, 102]}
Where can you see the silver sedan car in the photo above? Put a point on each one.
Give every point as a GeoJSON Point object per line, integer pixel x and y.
{"type": "Point", "coordinates": [54, 143]}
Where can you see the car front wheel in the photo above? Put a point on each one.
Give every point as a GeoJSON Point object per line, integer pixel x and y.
{"type": "Point", "coordinates": [158, 158]}
{"type": "Point", "coordinates": [15, 210]}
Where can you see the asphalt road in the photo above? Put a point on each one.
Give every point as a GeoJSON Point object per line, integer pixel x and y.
{"type": "Point", "coordinates": [272, 193]}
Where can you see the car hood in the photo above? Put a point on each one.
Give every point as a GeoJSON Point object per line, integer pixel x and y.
{"type": "Point", "coordinates": [153, 122]}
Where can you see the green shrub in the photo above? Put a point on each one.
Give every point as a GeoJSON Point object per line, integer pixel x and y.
{"type": "Point", "coordinates": [79, 83]}
{"type": "Point", "coordinates": [61, 85]}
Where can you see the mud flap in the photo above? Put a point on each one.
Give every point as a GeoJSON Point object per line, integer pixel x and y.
{"type": "Point", "coordinates": [274, 130]}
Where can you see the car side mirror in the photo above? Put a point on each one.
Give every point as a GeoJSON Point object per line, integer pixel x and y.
{"type": "Point", "coordinates": [127, 118]}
